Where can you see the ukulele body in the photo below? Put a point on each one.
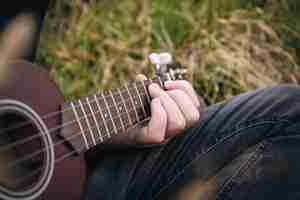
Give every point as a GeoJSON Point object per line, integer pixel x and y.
{"type": "Point", "coordinates": [42, 137]}
{"type": "Point", "coordinates": [30, 85]}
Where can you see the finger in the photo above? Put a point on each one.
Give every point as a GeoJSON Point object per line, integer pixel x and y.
{"type": "Point", "coordinates": [175, 120]}
{"type": "Point", "coordinates": [154, 133]}
{"type": "Point", "coordinates": [187, 107]}
{"type": "Point", "coordinates": [140, 77]}
{"type": "Point", "coordinates": [186, 87]}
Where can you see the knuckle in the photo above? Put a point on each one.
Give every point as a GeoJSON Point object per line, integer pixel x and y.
{"type": "Point", "coordinates": [178, 93]}
{"type": "Point", "coordinates": [182, 124]}
{"type": "Point", "coordinates": [155, 136]}
{"type": "Point", "coordinates": [157, 140]}
{"type": "Point", "coordinates": [194, 116]}
{"type": "Point", "coordinates": [186, 84]}
{"type": "Point", "coordinates": [178, 125]}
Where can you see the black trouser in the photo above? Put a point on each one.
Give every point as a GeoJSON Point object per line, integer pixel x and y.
{"type": "Point", "coordinates": [246, 148]}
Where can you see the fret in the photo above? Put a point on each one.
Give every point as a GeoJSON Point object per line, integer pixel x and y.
{"type": "Point", "coordinates": [137, 103]}
{"type": "Point", "coordinates": [102, 116]}
{"type": "Point", "coordinates": [118, 110]}
{"type": "Point", "coordinates": [113, 112]}
{"type": "Point", "coordinates": [125, 106]}
{"type": "Point", "coordinates": [80, 125]}
{"type": "Point", "coordinates": [145, 98]}
{"type": "Point", "coordinates": [95, 119]}
{"type": "Point", "coordinates": [87, 122]}
{"type": "Point", "coordinates": [129, 105]}
{"type": "Point", "coordinates": [141, 102]}
{"type": "Point", "coordinates": [146, 92]}
{"type": "Point", "coordinates": [132, 103]}
{"type": "Point", "coordinates": [107, 114]}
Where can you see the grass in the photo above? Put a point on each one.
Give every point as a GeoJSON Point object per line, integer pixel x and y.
{"type": "Point", "coordinates": [228, 46]}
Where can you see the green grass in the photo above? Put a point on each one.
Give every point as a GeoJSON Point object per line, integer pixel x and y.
{"type": "Point", "coordinates": [228, 46]}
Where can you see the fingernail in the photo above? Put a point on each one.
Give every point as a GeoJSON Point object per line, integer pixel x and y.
{"type": "Point", "coordinates": [154, 86]}
{"type": "Point", "coordinates": [153, 89]}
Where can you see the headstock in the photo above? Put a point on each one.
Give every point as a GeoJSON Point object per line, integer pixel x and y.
{"type": "Point", "coordinates": [165, 68]}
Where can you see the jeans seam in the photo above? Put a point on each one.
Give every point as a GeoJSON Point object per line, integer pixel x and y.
{"type": "Point", "coordinates": [198, 128]}
{"type": "Point", "coordinates": [228, 185]}
{"type": "Point", "coordinates": [248, 124]}
{"type": "Point", "coordinates": [243, 125]}
{"type": "Point", "coordinates": [233, 134]}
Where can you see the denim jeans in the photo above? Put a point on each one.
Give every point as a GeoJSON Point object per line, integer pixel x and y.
{"type": "Point", "coordinates": [245, 148]}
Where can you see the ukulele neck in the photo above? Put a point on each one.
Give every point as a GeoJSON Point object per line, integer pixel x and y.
{"type": "Point", "coordinates": [91, 120]}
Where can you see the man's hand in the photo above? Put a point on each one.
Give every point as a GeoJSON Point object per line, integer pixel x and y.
{"type": "Point", "coordinates": [172, 111]}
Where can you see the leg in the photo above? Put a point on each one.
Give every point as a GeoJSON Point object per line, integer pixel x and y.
{"type": "Point", "coordinates": [216, 158]}
{"type": "Point", "coordinates": [37, 9]}
{"type": "Point", "coordinates": [269, 171]}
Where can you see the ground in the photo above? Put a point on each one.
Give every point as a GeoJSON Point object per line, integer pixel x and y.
{"type": "Point", "coordinates": [228, 47]}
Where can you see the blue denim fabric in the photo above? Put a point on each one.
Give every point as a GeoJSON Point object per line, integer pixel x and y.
{"type": "Point", "coordinates": [245, 148]}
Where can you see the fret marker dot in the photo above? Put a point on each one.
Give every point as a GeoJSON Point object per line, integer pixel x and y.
{"type": "Point", "coordinates": [105, 115]}
{"type": "Point", "coordinates": [136, 102]}
{"type": "Point", "coordinates": [120, 108]}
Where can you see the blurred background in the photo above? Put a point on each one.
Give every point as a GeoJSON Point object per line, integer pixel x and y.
{"type": "Point", "coordinates": [228, 46]}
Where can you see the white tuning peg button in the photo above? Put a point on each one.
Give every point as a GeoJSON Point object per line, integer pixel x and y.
{"type": "Point", "coordinates": [160, 58]}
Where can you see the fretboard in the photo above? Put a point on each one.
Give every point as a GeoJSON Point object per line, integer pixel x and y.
{"type": "Point", "coordinates": [92, 120]}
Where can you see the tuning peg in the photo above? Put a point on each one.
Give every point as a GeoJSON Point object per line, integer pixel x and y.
{"type": "Point", "coordinates": [160, 59]}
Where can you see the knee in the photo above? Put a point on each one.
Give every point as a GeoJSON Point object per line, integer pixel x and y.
{"type": "Point", "coordinates": [285, 90]}
{"type": "Point", "coordinates": [268, 169]}
{"type": "Point", "coordinates": [280, 100]}
{"type": "Point", "coordinates": [283, 94]}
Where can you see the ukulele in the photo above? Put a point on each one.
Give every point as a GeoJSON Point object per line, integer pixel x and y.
{"type": "Point", "coordinates": [43, 138]}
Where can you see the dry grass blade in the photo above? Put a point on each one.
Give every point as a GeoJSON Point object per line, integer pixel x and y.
{"type": "Point", "coordinates": [227, 50]}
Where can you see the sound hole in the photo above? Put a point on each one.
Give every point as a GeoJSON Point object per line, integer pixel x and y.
{"type": "Point", "coordinates": [22, 153]}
